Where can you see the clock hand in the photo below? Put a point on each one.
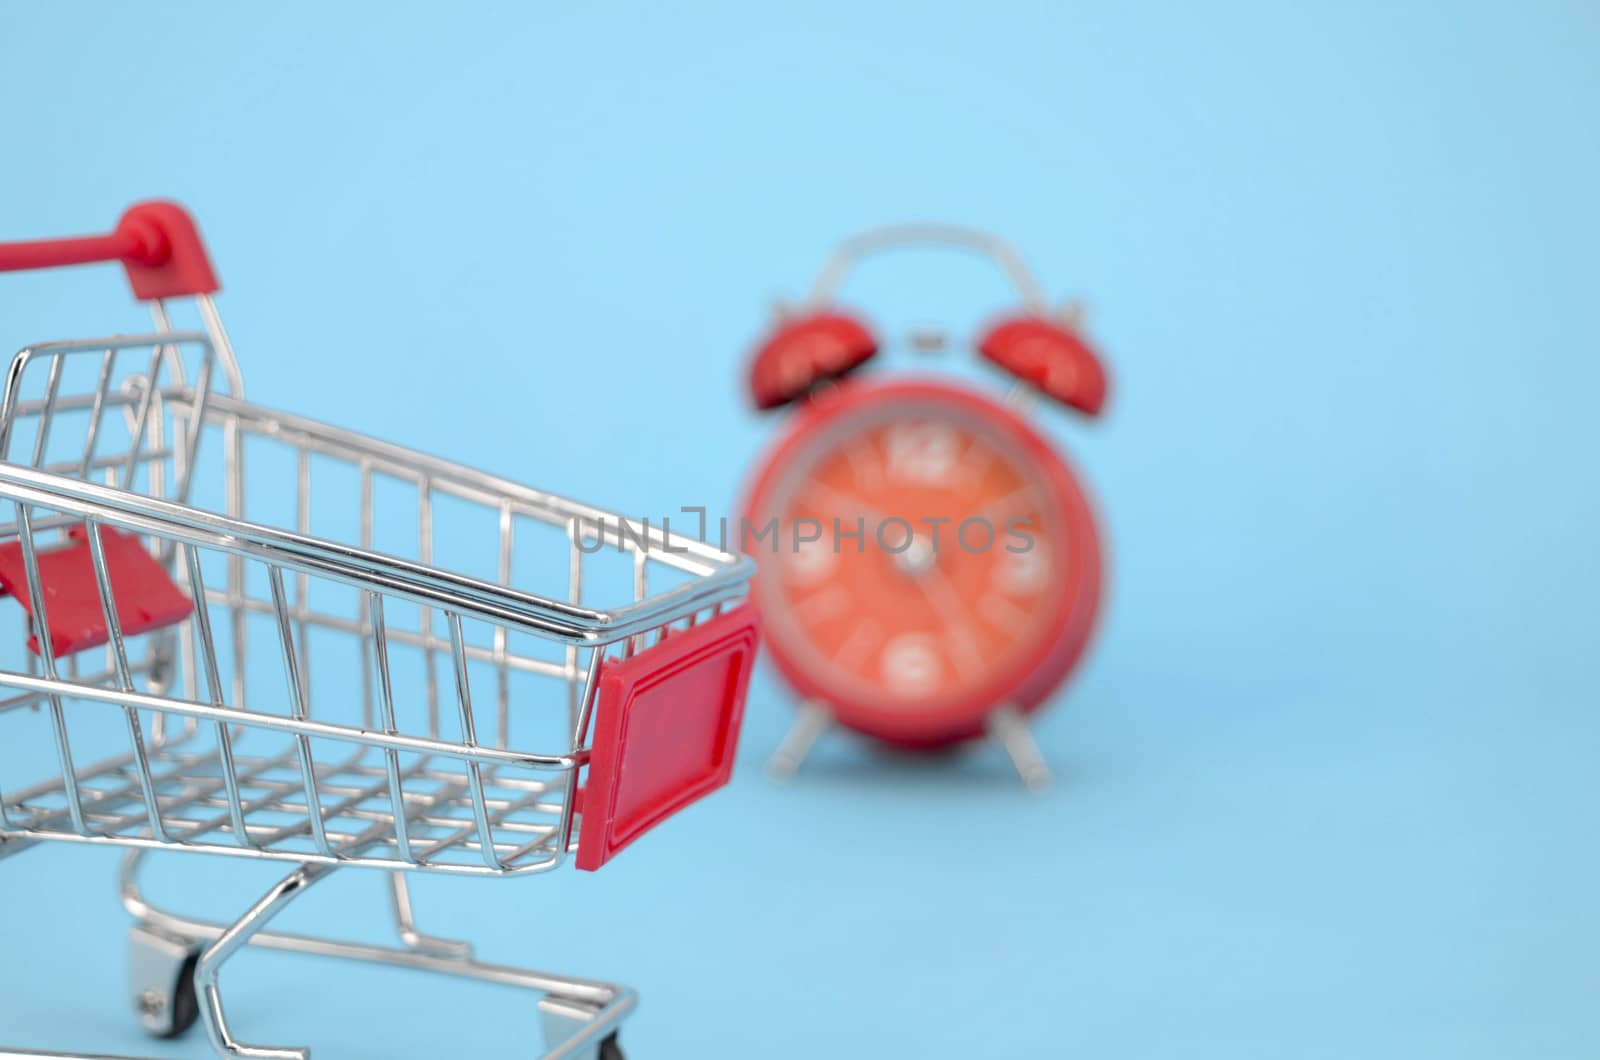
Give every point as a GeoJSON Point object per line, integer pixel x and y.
{"type": "Point", "coordinates": [838, 501]}
{"type": "Point", "coordinates": [952, 611]}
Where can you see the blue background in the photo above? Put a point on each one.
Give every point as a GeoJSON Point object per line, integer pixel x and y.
{"type": "Point", "coordinates": [1326, 782]}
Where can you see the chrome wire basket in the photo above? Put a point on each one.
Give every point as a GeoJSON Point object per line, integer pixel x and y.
{"type": "Point", "coordinates": [157, 686]}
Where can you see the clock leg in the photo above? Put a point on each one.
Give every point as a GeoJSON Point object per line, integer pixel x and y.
{"type": "Point", "coordinates": [1009, 727]}
{"type": "Point", "coordinates": [812, 721]}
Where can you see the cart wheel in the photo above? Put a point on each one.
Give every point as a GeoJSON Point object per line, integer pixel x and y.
{"type": "Point", "coordinates": [161, 981]}
{"type": "Point", "coordinates": [172, 1013]}
{"type": "Point", "coordinates": [610, 1050]}
{"type": "Point", "coordinates": [185, 1005]}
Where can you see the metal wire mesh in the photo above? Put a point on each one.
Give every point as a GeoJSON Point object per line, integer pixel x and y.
{"type": "Point", "coordinates": [362, 679]}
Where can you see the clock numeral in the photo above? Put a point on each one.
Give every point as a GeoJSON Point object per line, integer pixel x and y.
{"type": "Point", "coordinates": [911, 665]}
{"type": "Point", "coordinates": [922, 452]}
{"type": "Point", "coordinates": [1022, 573]}
{"type": "Point", "coordinates": [810, 561]}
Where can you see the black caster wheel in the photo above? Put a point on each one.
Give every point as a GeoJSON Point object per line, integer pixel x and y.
{"type": "Point", "coordinates": [610, 1050]}
{"type": "Point", "coordinates": [185, 1006]}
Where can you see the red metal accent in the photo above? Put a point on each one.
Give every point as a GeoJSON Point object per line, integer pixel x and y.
{"type": "Point", "coordinates": [156, 242]}
{"type": "Point", "coordinates": [806, 351]}
{"type": "Point", "coordinates": [1050, 356]}
{"type": "Point", "coordinates": [145, 597]}
{"type": "Point", "coordinates": [948, 719]}
{"type": "Point", "coordinates": [666, 726]}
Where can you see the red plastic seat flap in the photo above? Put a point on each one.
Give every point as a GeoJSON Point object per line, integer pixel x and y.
{"type": "Point", "coordinates": [145, 597]}
{"type": "Point", "coordinates": [666, 728]}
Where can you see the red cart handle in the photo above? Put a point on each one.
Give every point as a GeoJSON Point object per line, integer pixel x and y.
{"type": "Point", "coordinates": [157, 242]}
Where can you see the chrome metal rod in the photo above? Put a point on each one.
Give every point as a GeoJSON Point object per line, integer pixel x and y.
{"type": "Point", "coordinates": [1008, 726]}
{"type": "Point", "coordinates": [958, 237]}
{"type": "Point", "coordinates": [612, 1002]}
{"type": "Point", "coordinates": [13, 1054]}
{"type": "Point", "coordinates": [234, 938]}
{"type": "Point", "coordinates": [813, 720]}
{"type": "Point", "coordinates": [405, 925]}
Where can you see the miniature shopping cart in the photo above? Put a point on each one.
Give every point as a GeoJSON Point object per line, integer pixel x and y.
{"type": "Point", "coordinates": [161, 621]}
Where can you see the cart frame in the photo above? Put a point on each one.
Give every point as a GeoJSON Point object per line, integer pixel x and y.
{"type": "Point", "coordinates": [400, 782]}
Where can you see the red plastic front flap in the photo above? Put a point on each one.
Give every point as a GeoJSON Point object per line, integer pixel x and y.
{"type": "Point", "coordinates": [145, 597]}
{"type": "Point", "coordinates": [666, 728]}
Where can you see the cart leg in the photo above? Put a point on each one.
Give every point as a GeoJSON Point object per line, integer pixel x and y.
{"type": "Point", "coordinates": [230, 942]}
{"type": "Point", "coordinates": [8, 1054]}
{"type": "Point", "coordinates": [563, 1019]}
{"type": "Point", "coordinates": [581, 1016]}
{"type": "Point", "coordinates": [161, 980]}
{"type": "Point", "coordinates": [813, 720]}
{"type": "Point", "coordinates": [13, 845]}
{"type": "Point", "coordinates": [1007, 726]}
{"type": "Point", "coordinates": [405, 925]}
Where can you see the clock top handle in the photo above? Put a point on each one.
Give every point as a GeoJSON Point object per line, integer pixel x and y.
{"type": "Point", "coordinates": [909, 236]}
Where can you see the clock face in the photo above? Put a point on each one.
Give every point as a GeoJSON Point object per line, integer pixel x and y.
{"type": "Point", "coordinates": [924, 558]}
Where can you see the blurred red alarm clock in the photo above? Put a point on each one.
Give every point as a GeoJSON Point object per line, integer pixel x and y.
{"type": "Point", "coordinates": [929, 567]}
